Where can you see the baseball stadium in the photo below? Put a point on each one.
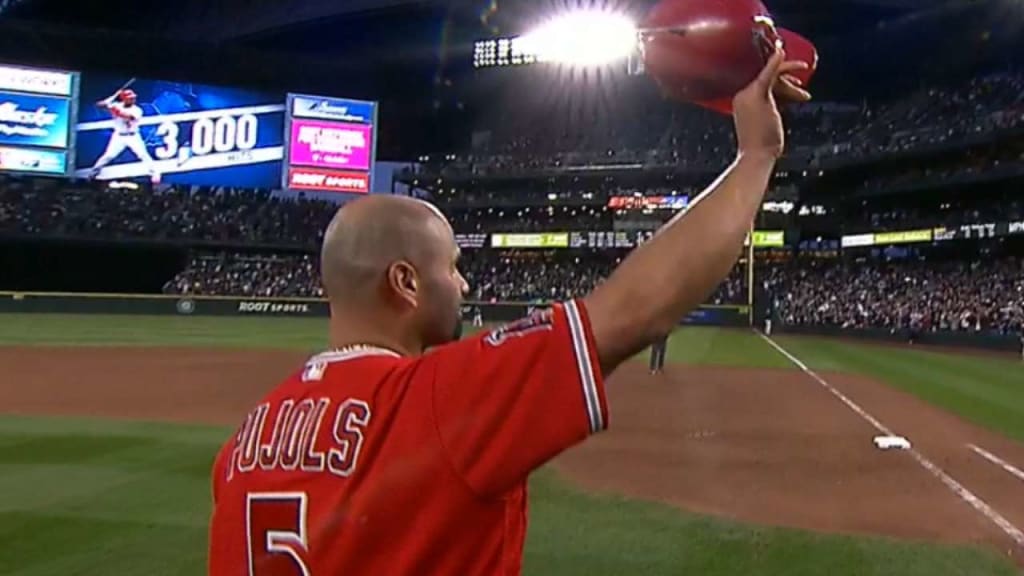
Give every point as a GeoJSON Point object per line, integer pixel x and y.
{"type": "Point", "coordinates": [848, 399]}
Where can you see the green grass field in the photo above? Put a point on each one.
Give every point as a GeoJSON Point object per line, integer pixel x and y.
{"type": "Point", "coordinates": [132, 498]}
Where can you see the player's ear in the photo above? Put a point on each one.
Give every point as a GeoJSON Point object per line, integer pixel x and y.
{"type": "Point", "coordinates": [403, 281]}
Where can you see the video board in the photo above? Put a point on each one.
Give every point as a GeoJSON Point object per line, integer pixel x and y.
{"type": "Point", "coordinates": [109, 127]}
{"type": "Point", "coordinates": [179, 132]}
{"type": "Point", "coordinates": [36, 111]}
{"type": "Point", "coordinates": [648, 202]}
{"type": "Point", "coordinates": [596, 239]}
{"type": "Point", "coordinates": [974, 231]}
{"type": "Point", "coordinates": [331, 144]}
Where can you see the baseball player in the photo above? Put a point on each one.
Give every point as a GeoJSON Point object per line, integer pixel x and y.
{"type": "Point", "coordinates": [658, 350]}
{"type": "Point", "coordinates": [126, 116]}
{"type": "Point", "coordinates": [478, 317]}
{"type": "Point", "coordinates": [404, 450]}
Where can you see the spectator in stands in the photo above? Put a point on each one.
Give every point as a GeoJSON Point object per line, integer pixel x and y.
{"type": "Point", "coordinates": [916, 296]}
{"type": "Point", "coordinates": [32, 206]}
{"type": "Point", "coordinates": [248, 275]}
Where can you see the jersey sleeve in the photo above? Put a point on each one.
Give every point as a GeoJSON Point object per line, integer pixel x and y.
{"type": "Point", "coordinates": [507, 401]}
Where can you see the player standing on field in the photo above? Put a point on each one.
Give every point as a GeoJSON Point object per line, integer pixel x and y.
{"type": "Point", "coordinates": [403, 451]}
{"type": "Point", "coordinates": [658, 350]}
{"type": "Point", "coordinates": [126, 116]}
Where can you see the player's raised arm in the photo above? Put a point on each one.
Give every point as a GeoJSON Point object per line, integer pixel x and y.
{"type": "Point", "coordinates": [681, 265]}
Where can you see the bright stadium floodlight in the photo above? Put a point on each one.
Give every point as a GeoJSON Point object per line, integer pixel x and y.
{"type": "Point", "coordinates": [583, 38]}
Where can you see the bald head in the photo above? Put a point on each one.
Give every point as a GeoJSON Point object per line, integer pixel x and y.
{"type": "Point", "coordinates": [370, 234]}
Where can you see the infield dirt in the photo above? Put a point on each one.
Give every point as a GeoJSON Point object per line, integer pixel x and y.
{"type": "Point", "coordinates": [765, 446]}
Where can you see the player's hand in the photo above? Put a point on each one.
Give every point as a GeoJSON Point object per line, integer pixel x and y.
{"type": "Point", "coordinates": [755, 109]}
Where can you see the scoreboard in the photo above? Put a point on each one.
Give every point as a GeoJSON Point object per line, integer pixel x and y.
{"type": "Point", "coordinates": [69, 124]}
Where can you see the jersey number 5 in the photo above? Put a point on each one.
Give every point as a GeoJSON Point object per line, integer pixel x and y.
{"type": "Point", "coordinates": [276, 524]}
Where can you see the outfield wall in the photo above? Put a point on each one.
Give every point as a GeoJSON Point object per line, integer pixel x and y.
{"type": "Point", "coordinates": [1010, 343]}
{"type": "Point", "coordinates": [171, 305]}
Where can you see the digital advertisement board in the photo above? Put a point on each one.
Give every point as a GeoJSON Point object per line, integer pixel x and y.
{"type": "Point", "coordinates": [54, 162]}
{"type": "Point", "coordinates": [331, 144]}
{"type": "Point", "coordinates": [180, 133]}
{"type": "Point", "coordinates": [609, 238]}
{"type": "Point", "coordinates": [648, 202]}
{"type": "Point", "coordinates": [767, 239]}
{"type": "Point", "coordinates": [37, 108]}
{"type": "Point", "coordinates": [538, 240]}
{"type": "Point", "coordinates": [302, 178]}
{"type": "Point", "coordinates": [31, 120]}
{"type": "Point", "coordinates": [471, 240]}
{"type": "Point", "coordinates": [605, 239]}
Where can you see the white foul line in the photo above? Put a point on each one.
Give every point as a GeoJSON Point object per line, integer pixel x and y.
{"type": "Point", "coordinates": [997, 461]}
{"type": "Point", "coordinates": [966, 495]}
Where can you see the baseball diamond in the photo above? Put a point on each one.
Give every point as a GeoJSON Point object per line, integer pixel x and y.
{"type": "Point", "coordinates": [733, 458]}
{"type": "Point", "coordinates": [397, 288]}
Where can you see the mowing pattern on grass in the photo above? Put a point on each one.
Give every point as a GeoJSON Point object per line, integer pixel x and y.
{"type": "Point", "coordinates": [103, 330]}
{"type": "Point", "coordinates": [134, 497]}
{"type": "Point", "coordinates": [988, 391]}
{"type": "Point", "coordinates": [124, 499]}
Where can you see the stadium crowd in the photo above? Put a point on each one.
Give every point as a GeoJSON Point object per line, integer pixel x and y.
{"type": "Point", "coordinates": [982, 296]}
{"type": "Point", "coordinates": [978, 296]}
{"type": "Point", "coordinates": [236, 274]}
{"type": "Point", "coordinates": [33, 206]}
{"type": "Point", "coordinates": [665, 134]}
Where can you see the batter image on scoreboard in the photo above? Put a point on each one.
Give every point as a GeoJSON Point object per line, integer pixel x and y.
{"type": "Point", "coordinates": [178, 133]}
{"type": "Point", "coordinates": [127, 115]}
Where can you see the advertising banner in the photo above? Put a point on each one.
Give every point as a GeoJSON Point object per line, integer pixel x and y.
{"type": "Point", "coordinates": [648, 202]}
{"type": "Point", "coordinates": [903, 237]}
{"type": "Point", "coordinates": [300, 178]}
{"type": "Point", "coordinates": [330, 144]}
{"type": "Point", "coordinates": [54, 162]}
{"type": "Point", "coordinates": [31, 120]}
{"type": "Point", "coordinates": [333, 109]}
{"type": "Point", "coordinates": [609, 238]}
{"type": "Point", "coordinates": [471, 240]}
{"type": "Point", "coordinates": [37, 109]}
{"type": "Point", "coordinates": [769, 238]}
{"type": "Point", "coordinates": [36, 81]}
{"type": "Point", "coordinates": [540, 240]}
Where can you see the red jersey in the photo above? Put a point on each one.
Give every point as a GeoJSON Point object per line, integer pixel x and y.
{"type": "Point", "coordinates": [365, 462]}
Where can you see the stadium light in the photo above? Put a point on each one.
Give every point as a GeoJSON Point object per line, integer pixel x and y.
{"type": "Point", "coordinates": [582, 38]}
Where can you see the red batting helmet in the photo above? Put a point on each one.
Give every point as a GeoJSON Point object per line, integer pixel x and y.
{"type": "Point", "coordinates": [705, 51]}
{"type": "Point", "coordinates": [127, 95]}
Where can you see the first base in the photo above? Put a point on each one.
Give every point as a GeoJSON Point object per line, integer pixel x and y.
{"type": "Point", "coordinates": [887, 442]}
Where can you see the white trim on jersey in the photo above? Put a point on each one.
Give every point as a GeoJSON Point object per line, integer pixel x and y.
{"type": "Point", "coordinates": [356, 352]}
{"type": "Point", "coordinates": [585, 367]}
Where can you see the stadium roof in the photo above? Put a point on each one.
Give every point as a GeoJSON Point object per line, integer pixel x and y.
{"type": "Point", "coordinates": [210, 20]}
{"type": "Point", "coordinates": [224, 20]}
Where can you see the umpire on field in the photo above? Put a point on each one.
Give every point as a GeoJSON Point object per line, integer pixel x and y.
{"type": "Point", "coordinates": [658, 349]}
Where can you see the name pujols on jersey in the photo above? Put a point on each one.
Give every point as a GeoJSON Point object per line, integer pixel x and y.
{"type": "Point", "coordinates": [290, 436]}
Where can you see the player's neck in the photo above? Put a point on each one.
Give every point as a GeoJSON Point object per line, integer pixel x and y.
{"type": "Point", "coordinates": [347, 335]}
